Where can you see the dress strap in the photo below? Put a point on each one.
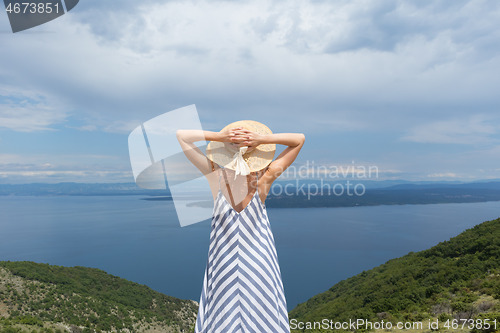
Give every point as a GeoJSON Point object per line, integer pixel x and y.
{"type": "Point", "coordinates": [219, 171]}
{"type": "Point", "coordinates": [222, 170]}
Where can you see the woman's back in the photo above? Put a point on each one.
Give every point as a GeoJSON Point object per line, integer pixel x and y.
{"type": "Point", "coordinates": [242, 286]}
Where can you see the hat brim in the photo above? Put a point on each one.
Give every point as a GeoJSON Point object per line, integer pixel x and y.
{"type": "Point", "coordinates": [257, 159]}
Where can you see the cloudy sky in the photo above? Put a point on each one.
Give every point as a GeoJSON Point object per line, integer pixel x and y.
{"type": "Point", "coordinates": [408, 86]}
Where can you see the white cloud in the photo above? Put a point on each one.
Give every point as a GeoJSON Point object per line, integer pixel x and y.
{"type": "Point", "coordinates": [43, 162]}
{"type": "Point", "coordinates": [429, 69]}
{"type": "Point", "coordinates": [102, 176]}
{"type": "Point", "coordinates": [17, 168]}
{"type": "Point", "coordinates": [28, 111]}
{"type": "Point", "coordinates": [471, 130]}
{"type": "Point", "coordinates": [443, 175]}
{"type": "Point", "coordinates": [389, 60]}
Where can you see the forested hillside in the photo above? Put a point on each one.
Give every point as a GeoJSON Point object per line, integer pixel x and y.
{"type": "Point", "coordinates": [38, 297]}
{"type": "Point", "coordinates": [456, 279]}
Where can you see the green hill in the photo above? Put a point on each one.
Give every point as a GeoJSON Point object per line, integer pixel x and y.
{"type": "Point", "coordinates": [38, 297]}
{"type": "Point", "coordinates": [452, 282]}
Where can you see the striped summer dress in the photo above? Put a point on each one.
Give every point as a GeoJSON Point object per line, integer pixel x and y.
{"type": "Point", "coordinates": [242, 288]}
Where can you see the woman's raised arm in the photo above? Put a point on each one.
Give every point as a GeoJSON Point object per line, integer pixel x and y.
{"type": "Point", "coordinates": [187, 138]}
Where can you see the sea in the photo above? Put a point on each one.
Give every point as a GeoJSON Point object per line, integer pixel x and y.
{"type": "Point", "coordinates": [142, 240]}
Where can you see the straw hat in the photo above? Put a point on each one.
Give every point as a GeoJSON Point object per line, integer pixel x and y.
{"type": "Point", "coordinates": [231, 156]}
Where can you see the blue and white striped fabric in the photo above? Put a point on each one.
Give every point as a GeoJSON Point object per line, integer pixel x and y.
{"type": "Point", "coordinates": [242, 288]}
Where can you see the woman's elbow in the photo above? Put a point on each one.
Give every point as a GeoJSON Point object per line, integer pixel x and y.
{"type": "Point", "coordinates": [302, 138]}
{"type": "Point", "coordinates": [180, 134]}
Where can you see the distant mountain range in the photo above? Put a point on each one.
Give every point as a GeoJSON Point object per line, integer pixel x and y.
{"type": "Point", "coordinates": [78, 189]}
{"type": "Point", "coordinates": [400, 194]}
{"type": "Point", "coordinates": [299, 194]}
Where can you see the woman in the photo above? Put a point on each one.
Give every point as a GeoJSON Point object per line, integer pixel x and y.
{"type": "Point", "coordinates": [242, 287]}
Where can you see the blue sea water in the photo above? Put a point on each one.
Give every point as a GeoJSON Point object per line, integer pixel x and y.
{"type": "Point", "coordinates": [142, 241]}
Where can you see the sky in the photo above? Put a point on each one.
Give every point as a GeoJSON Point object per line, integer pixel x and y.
{"type": "Point", "coordinates": [410, 87]}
